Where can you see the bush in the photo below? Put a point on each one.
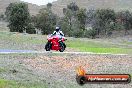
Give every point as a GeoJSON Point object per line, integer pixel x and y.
{"type": "Point", "coordinates": [91, 33]}
{"type": "Point", "coordinates": [30, 29]}
{"type": "Point", "coordinates": [78, 33]}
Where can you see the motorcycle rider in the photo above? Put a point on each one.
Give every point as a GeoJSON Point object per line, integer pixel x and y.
{"type": "Point", "coordinates": [58, 32]}
{"type": "Point", "coordinates": [60, 35]}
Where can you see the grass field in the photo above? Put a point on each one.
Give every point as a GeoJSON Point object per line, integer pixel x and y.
{"type": "Point", "coordinates": [14, 84]}
{"type": "Point", "coordinates": [8, 84]}
{"type": "Point", "coordinates": [60, 68]}
{"type": "Point", "coordinates": [20, 41]}
{"type": "Point", "coordinates": [22, 38]}
{"type": "Point", "coordinates": [98, 47]}
{"type": "Point", "coordinates": [27, 41]}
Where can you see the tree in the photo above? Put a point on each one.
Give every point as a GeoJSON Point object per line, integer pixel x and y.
{"type": "Point", "coordinates": [90, 16]}
{"type": "Point", "coordinates": [69, 17]}
{"type": "Point", "coordinates": [30, 29]}
{"type": "Point", "coordinates": [8, 11]}
{"type": "Point", "coordinates": [49, 5]}
{"type": "Point", "coordinates": [45, 21]}
{"type": "Point", "coordinates": [81, 15]}
{"type": "Point", "coordinates": [103, 20]}
{"type": "Point", "coordinates": [125, 18]}
{"type": "Point", "coordinates": [91, 33]}
{"type": "Point", "coordinates": [18, 16]}
{"type": "Point", "coordinates": [64, 11]}
{"type": "Point", "coordinates": [70, 23]}
{"type": "Point", "coordinates": [73, 7]}
{"type": "Point", "coordinates": [65, 26]}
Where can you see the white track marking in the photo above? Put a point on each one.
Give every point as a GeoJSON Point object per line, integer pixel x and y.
{"type": "Point", "coordinates": [57, 52]}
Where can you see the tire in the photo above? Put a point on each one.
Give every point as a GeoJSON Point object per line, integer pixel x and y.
{"type": "Point", "coordinates": [62, 47]}
{"type": "Point", "coordinates": [62, 43]}
{"type": "Point", "coordinates": [81, 80]}
{"type": "Point", "coordinates": [48, 46]}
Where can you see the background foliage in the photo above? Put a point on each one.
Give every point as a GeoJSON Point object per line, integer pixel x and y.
{"type": "Point", "coordinates": [76, 22]}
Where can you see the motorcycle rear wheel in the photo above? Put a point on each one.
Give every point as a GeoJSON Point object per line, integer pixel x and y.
{"type": "Point", "coordinates": [48, 46]}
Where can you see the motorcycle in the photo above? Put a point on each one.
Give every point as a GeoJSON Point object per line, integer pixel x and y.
{"type": "Point", "coordinates": [55, 42]}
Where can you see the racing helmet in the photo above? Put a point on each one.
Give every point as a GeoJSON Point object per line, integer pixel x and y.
{"type": "Point", "coordinates": [57, 29]}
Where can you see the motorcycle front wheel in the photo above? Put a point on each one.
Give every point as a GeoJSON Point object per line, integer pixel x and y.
{"type": "Point", "coordinates": [62, 47]}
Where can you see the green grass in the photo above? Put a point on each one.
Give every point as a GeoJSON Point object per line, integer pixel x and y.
{"type": "Point", "coordinates": [8, 84]}
{"type": "Point", "coordinates": [129, 43]}
{"type": "Point", "coordinates": [97, 47]}
{"type": "Point", "coordinates": [3, 83]}
{"type": "Point", "coordinates": [22, 41]}
{"type": "Point", "coordinates": [13, 84]}
{"type": "Point", "coordinates": [22, 38]}
{"type": "Point", "coordinates": [11, 40]}
{"type": "Point", "coordinates": [2, 69]}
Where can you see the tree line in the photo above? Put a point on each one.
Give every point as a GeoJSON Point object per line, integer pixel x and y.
{"type": "Point", "coordinates": [76, 22]}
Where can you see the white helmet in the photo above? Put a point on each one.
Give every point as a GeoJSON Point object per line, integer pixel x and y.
{"type": "Point", "coordinates": [57, 29]}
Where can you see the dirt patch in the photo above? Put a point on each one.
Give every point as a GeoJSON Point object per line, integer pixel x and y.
{"type": "Point", "coordinates": [62, 68]}
{"type": "Point", "coordinates": [59, 70]}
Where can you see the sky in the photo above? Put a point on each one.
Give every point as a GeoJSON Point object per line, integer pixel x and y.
{"type": "Point", "coordinates": [39, 2]}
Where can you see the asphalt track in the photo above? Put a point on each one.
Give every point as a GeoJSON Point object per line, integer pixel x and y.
{"type": "Point", "coordinates": [9, 51]}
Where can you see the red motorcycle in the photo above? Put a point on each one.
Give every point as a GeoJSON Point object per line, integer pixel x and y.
{"type": "Point", "coordinates": [55, 42]}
